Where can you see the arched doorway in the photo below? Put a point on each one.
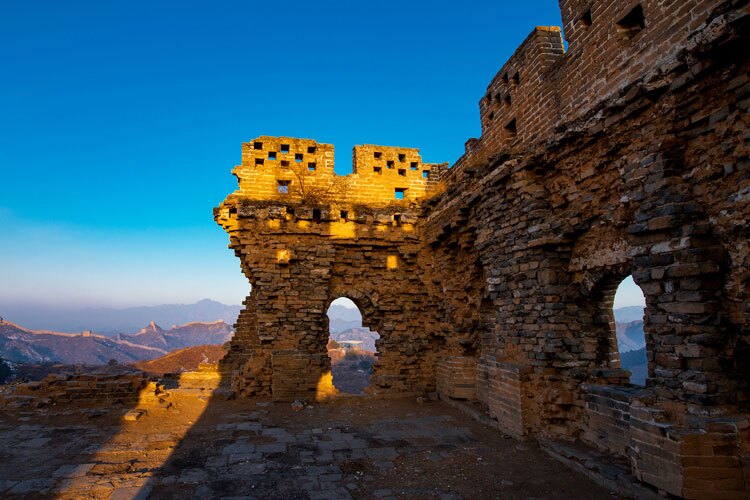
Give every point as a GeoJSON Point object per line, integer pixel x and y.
{"type": "Point", "coordinates": [628, 309]}
{"type": "Point", "coordinates": [351, 347]}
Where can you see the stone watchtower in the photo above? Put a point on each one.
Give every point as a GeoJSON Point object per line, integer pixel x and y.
{"type": "Point", "coordinates": [306, 236]}
{"type": "Point", "coordinates": [624, 154]}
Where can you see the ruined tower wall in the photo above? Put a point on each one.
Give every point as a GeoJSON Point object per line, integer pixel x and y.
{"type": "Point", "coordinates": [647, 176]}
{"type": "Point", "coordinates": [297, 265]}
{"type": "Point", "coordinates": [302, 170]}
{"type": "Point", "coordinates": [542, 87]}
{"type": "Point", "coordinates": [629, 157]}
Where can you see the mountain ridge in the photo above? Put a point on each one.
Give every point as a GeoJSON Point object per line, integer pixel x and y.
{"type": "Point", "coordinates": [111, 321]}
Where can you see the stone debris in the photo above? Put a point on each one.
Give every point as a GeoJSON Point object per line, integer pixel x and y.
{"type": "Point", "coordinates": [133, 415]}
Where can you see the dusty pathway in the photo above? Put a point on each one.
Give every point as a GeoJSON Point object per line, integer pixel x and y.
{"type": "Point", "coordinates": [190, 446]}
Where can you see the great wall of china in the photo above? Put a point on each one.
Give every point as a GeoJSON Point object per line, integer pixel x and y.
{"type": "Point", "coordinates": [492, 280]}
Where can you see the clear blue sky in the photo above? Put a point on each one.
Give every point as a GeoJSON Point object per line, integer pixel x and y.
{"type": "Point", "coordinates": [121, 122]}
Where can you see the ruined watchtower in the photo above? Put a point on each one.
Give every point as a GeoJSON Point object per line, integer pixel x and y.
{"type": "Point", "coordinates": [493, 280]}
{"type": "Point", "coordinates": [306, 236]}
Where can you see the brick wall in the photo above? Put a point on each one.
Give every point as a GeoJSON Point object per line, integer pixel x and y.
{"type": "Point", "coordinates": [294, 170]}
{"type": "Point", "coordinates": [455, 377]}
{"type": "Point", "coordinates": [507, 395]}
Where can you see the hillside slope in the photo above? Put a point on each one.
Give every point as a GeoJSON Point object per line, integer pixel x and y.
{"type": "Point", "coordinates": [182, 360]}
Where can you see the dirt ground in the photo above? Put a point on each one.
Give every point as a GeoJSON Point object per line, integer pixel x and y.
{"type": "Point", "coordinates": [189, 445]}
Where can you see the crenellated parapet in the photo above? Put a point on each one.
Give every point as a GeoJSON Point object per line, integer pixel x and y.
{"type": "Point", "coordinates": [613, 48]}
{"type": "Point", "coordinates": [292, 170]}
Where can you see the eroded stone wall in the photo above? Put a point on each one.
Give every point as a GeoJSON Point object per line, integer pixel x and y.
{"type": "Point", "coordinates": [626, 155]}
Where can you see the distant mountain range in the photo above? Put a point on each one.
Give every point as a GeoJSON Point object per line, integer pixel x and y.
{"type": "Point", "coordinates": [110, 321]}
{"type": "Point", "coordinates": [628, 314]}
{"type": "Point", "coordinates": [342, 318]}
{"type": "Point", "coordinates": [178, 337]}
{"type": "Point", "coordinates": [26, 346]}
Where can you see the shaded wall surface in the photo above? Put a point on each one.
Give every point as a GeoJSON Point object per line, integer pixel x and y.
{"type": "Point", "coordinates": [493, 280]}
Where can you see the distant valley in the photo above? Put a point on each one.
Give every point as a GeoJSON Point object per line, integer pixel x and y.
{"type": "Point", "coordinates": [631, 342]}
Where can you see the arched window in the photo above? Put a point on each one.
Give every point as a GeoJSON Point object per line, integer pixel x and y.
{"type": "Point", "coordinates": [628, 309]}
{"type": "Point", "coordinates": [351, 347]}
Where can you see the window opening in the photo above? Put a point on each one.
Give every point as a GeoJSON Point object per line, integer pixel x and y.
{"type": "Point", "coordinates": [628, 308]}
{"type": "Point", "coordinates": [633, 22]}
{"type": "Point", "coordinates": [352, 347]}
{"type": "Point", "coordinates": [585, 19]}
{"type": "Point", "coordinates": [510, 128]}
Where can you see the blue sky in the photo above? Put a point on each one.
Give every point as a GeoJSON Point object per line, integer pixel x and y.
{"type": "Point", "coordinates": [121, 122]}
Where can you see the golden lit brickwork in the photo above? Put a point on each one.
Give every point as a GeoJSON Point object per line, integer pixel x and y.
{"type": "Point", "coordinates": [301, 170]}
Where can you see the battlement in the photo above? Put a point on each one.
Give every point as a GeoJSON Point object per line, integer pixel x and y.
{"type": "Point", "coordinates": [611, 46]}
{"type": "Point", "coordinates": [302, 171]}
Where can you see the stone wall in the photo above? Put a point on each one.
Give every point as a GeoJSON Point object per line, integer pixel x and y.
{"type": "Point", "coordinates": [290, 170]}
{"type": "Point", "coordinates": [625, 155]}
{"type": "Point", "coordinates": [83, 389]}
{"type": "Point", "coordinates": [455, 377]}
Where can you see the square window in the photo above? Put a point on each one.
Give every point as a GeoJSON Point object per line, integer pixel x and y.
{"type": "Point", "coordinates": [259, 161]}
{"type": "Point", "coordinates": [298, 157]}
{"type": "Point", "coordinates": [425, 174]}
{"type": "Point", "coordinates": [377, 170]}
{"type": "Point", "coordinates": [633, 22]}
{"type": "Point", "coordinates": [378, 155]}
{"type": "Point", "coordinates": [311, 166]}
{"type": "Point", "coordinates": [285, 148]}
{"type": "Point", "coordinates": [414, 165]}
{"type": "Point", "coordinates": [283, 186]}
{"type": "Point", "coordinates": [585, 19]}
{"type": "Point", "coordinates": [390, 163]}
{"type": "Point", "coordinates": [402, 172]}
{"type": "Point", "coordinates": [311, 149]}
{"type": "Point", "coordinates": [344, 214]}
{"type": "Point", "coordinates": [402, 158]}
{"type": "Point", "coordinates": [284, 163]}
{"type": "Point", "coordinates": [400, 193]}
{"type": "Point", "coordinates": [257, 145]}
{"type": "Point", "coordinates": [272, 155]}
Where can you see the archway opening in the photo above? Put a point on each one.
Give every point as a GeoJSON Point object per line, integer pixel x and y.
{"type": "Point", "coordinates": [628, 309]}
{"type": "Point", "coordinates": [351, 347]}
